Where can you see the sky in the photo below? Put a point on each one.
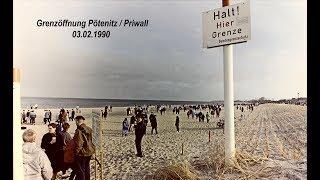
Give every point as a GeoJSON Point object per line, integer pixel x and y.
{"type": "Point", "coordinates": [163, 61]}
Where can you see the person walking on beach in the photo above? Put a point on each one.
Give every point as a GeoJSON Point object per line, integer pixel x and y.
{"type": "Point", "coordinates": [125, 127]}
{"type": "Point", "coordinates": [49, 116]}
{"type": "Point", "coordinates": [49, 144]}
{"type": "Point", "coordinates": [177, 123]}
{"type": "Point", "coordinates": [46, 117]}
{"type": "Point", "coordinates": [153, 121]}
{"type": "Point", "coordinates": [208, 117]}
{"type": "Point", "coordinates": [212, 113]}
{"type": "Point", "coordinates": [200, 116]}
{"type": "Point", "coordinates": [36, 163]}
{"type": "Point", "coordinates": [33, 117]}
{"type": "Point", "coordinates": [23, 117]}
{"type": "Point", "coordinates": [140, 130]}
{"type": "Point", "coordinates": [63, 116]}
{"type": "Point", "coordinates": [217, 112]}
{"type": "Point", "coordinates": [84, 149]}
{"type": "Point", "coordinates": [188, 114]}
{"type": "Point", "coordinates": [73, 113]}
{"type": "Point", "coordinates": [105, 114]}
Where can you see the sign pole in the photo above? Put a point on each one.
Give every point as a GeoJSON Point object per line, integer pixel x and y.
{"type": "Point", "coordinates": [101, 147]}
{"type": "Point", "coordinates": [228, 100]}
{"type": "Point", "coordinates": [18, 172]}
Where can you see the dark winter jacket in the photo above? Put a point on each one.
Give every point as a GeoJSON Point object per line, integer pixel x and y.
{"type": "Point", "coordinates": [140, 129]}
{"type": "Point", "coordinates": [83, 141]}
{"type": "Point", "coordinates": [52, 150]}
{"type": "Point", "coordinates": [153, 120]}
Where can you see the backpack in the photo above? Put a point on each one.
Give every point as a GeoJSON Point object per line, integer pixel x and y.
{"type": "Point", "coordinates": [88, 147]}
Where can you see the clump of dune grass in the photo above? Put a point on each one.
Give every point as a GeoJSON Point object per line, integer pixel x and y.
{"type": "Point", "coordinates": [245, 166]}
{"type": "Point", "coordinates": [175, 172]}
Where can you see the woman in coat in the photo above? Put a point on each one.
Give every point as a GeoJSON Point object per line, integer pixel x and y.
{"type": "Point", "coordinates": [35, 162]}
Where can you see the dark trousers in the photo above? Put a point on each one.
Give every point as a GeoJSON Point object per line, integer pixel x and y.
{"type": "Point", "coordinates": [154, 128]}
{"type": "Point", "coordinates": [177, 126]}
{"type": "Point", "coordinates": [138, 145]}
{"type": "Point", "coordinates": [82, 167]}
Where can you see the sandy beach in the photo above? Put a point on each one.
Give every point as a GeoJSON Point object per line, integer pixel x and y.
{"type": "Point", "coordinates": [276, 132]}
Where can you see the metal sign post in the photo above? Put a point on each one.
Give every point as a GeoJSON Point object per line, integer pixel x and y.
{"type": "Point", "coordinates": [228, 100]}
{"type": "Point", "coordinates": [228, 103]}
{"type": "Point", "coordinates": [224, 27]}
{"type": "Point", "coordinates": [18, 172]}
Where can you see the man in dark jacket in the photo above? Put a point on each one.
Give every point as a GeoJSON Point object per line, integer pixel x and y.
{"type": "Point", "coordinates": [84, 149]}
{"type": "Point", "coordinates": [140, 130]}
{"type": "Point", "coordinates": [50, 143]}
{"type": "Point", "coordinates": [153, 121]}
{"type": "Point", "coordinates": [177, 123]}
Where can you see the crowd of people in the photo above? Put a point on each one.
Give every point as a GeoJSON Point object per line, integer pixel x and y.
{"type": "Point", "coordinates": [59, 151]}
{"type": "Point", "coordinates": [30, 116]}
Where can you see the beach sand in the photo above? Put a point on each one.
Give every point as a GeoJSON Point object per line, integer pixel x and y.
{"type": "Point", "coordinates": [275, 131]}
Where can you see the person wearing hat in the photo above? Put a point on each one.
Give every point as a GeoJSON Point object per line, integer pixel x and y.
{"type": "Point", "coordinates": [84, 149]}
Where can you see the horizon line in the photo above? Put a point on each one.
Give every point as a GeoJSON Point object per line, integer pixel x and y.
{"type": "Point", "coordinates": [119, 99]}
{"type": "Point", "coordinates": [150, 99]}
